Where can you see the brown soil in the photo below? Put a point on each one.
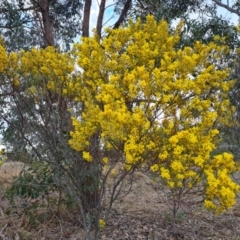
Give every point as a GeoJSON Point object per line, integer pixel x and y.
{"type": "Point", "coordinates": [142, 214]}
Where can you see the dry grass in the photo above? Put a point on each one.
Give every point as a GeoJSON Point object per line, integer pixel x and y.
{"type": "Point", "coordinates": [10, 169]}
{"type": "Point", "coordinates": [143, 214]}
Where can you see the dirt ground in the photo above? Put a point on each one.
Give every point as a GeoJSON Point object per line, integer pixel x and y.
{"type": "Point", "coordinates": [142, 214]}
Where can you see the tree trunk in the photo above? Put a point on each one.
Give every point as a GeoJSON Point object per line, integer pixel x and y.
{"type": "Point", "coordinates": [48, 32]}
{"type": "Point", "coordinates": [100, 17]}
{"type": "Point", "coordinates": [86, 18]}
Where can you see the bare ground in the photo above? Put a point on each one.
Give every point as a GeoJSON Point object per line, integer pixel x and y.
{"type": "Point", "coordinates": [142, 214]}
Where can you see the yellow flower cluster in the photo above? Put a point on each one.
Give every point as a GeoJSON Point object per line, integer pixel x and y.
{"type": "Point", "coordinates": [3, 59]}
{"type": "Point", "coordinates": [102, 224]}
{"type": "Point", "coordinates": [87, 156]}
{"type": "Point", "coordinates": [3, 158]}
{"type": "Point", "coordinates": [189, 160]}
{"type": "Point", "coordinates": [220, 188]}
{"type": "Point", "coordinates": [39, 70]}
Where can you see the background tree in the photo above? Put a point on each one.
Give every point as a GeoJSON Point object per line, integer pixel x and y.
{"type": "Point", "coordinates": [45, 22]}
{"type": "Point", "coordinates": [167, 10]}
{"type": "Point", "coordinates": [40, 23]}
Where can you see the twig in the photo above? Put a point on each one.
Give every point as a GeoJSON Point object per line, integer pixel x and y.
{"type": "Point", "coordinates": [17, 237]}
{"type": "Point", "coordinates": [2, 213]}
{"type": "Point", "coordinates": [2, 236]}
{"type": "Point", "coordinates": [2, 230]}
{"type": "Point", "coordinates": [61, 237]}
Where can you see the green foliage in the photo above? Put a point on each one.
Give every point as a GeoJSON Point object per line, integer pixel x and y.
{"type": "Point", "coordinates": [205, 30]}
{"type": "Point", "coordinates": [33, 182]}
{"type": "Point", "coordinates": [167, 10]}
{"type": "Point", "coordinates": [178, 218]}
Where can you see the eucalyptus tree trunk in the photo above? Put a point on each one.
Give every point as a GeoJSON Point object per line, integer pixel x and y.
{"type": "Point", "coordinates": [47, 26]}
{"type": "Point", "coordinates": [86, 18]}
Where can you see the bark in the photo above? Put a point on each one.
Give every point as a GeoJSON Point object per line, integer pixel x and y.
{"type": "Point", "coordinates": [48, 32]}
{"type": "Point", "coordinates": [123, 14]}
{"type": "Point", "coordinates": [86, 18]}
{"type": "Point", "coordinates": [100, 17]}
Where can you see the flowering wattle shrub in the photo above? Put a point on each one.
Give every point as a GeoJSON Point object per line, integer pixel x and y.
{"type": "Point", "coordinates": [147, 98]}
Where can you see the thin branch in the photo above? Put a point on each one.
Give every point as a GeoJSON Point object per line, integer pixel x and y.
{"type": "Point", "coordinates": [141, 4]}
{"type": "Point", "coordinates": [4, 10]}
{"type": "Point", "coordinates": [15, 26]}
{"type": "Point", "coordinates": [230, 9]}
{"type": "Point", "coordinates": [108, 20]}
{"type": "Point", "coordinates": [2, 230]}
{"type": "Point", "coordinates": [60, 224]}
{"type": "Point", "coordinates": [110, 5]}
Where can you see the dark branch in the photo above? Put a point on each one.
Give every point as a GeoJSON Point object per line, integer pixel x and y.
{"type": "Point", "coordinates": [123, 14]}
{"type": "Point", "coordinates": [5, 10]}
{"type": "Point", "coordinates": [227, 7]}
{"type": "Point", "coordinates": [16, 25]}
